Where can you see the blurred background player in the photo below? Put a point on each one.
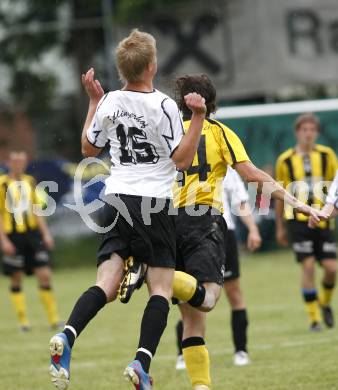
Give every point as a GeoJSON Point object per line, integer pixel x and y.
{"type": "Point", "coordinates": [309, 163]}
{"type": "Point", "coordinates": [25, 240]}
{"type": "Point", "coordinates": [235, 200]}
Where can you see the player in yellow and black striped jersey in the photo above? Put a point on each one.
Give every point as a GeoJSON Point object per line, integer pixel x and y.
{"type": "Point", "coordinates": [200, 227]}
{"type": "Point", "coordinates": [302, 169]}
{"type": "Point", "coordinates": [202, 183]}
{"type": "Point", "coordinates": [25, 239]}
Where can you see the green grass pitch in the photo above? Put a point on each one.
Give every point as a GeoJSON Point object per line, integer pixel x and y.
{"type": "Point", "coordinates": [285, 355]}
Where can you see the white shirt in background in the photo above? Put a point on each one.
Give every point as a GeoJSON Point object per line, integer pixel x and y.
{"type": "Point", "coordinates": [332, 196]}
{"type": "Point", "coordinates": [234, 194]}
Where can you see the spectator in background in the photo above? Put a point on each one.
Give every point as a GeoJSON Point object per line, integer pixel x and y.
{"type": "Point", "coordinates": [25, 240]}
{"type": "Point", "coordinates": [300, 168]}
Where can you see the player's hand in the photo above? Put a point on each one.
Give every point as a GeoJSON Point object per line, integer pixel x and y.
{"type": "Point", "coordinates": [254, 240]}
{"type": "Point", "coordinates": [315, 214]}
{"type": "Point", "coordinates": [8, 247]}
{"type": "Point", "coordinates": [312, 223]}
{"type": "Point", "coordinates": [281, 236]}
{"type": "Point", "coordinates": [196, 103]}
{"type": "Point", "coordinates": [92, 86]}
{"type": "Point", "coordinates": [48, 240]}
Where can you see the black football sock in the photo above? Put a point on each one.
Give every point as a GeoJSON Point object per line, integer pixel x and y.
{"type": "Point", "coordinates": [179, 336]}
{"type": "Point", "coordinates": [84, 310]}
{"type": "Point", "coordinates": [153, 323]}
{"type": "Point", "coordinates": [239, 324]}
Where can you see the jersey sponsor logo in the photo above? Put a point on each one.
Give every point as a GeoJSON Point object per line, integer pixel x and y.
{"type": "Point", "coordinates": [329, 247]}
{"type": "Point", "coordinates": [42, 256]}
{"type": "Point", "coordinates": [15, 261]}
{"type": "Point", "coordinates": [303, 247]}
{"type": "Point", "coordinates": [130, 115]}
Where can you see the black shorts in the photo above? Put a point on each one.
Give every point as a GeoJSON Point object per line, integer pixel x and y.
{"type": "Point", "coordinates": [306, 242]}
{"type": "Point", "coordinates": [30, 253]}
{"type": "Point", "coordinates": [200, 246]}
{"type": "Point", "coordinates": [232, 257]}
{"type": "Point", "coordinates": [149, 238]}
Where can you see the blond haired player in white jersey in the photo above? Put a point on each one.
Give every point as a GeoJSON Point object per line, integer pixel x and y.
{"type": "Point", "coordinates": [144, 130]}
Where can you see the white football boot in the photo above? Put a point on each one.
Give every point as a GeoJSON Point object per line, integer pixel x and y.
{"type": "Point", "coordinates": [241, 358]}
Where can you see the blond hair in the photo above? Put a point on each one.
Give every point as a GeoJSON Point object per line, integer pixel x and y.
{"type": "Point", "coordinates": [133, 54]}
{"type": "Point", "coordinates": [307, 117]}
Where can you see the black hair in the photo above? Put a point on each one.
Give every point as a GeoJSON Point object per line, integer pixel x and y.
{"type": "Point", "coordinates": [200, 84]}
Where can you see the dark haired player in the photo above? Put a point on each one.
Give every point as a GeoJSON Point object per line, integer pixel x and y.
{"type": "Point", "coordinates": [200, 227]}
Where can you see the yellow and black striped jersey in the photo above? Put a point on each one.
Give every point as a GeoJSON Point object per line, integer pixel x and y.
{"type": "Point", "coordinates": [307, 171]}
{"type": "Point", "coordinates": [16, 204]}
{"type": "Point", "coordinates": [201, 184]}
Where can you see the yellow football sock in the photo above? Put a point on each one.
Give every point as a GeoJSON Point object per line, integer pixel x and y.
{"type": "Point", "coordinates": [312, 308]}
{"type": "Point", "coordinates": [325, 295]}
{"type": "Point", "coordinates": [49, 302]}
{"type": "Point", "coordinates": [19, 303]}
{"type": "Point", "coordinates": [184, 286]}
{"type": "Point", "coordinates": [198, 365]}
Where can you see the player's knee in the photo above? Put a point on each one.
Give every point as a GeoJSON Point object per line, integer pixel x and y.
{"type": "Point", "coordinates": [193, 329]}
{"type": "Point", "coordinates": [44, 281]}
{"type": "Point", "coordinates": [210, 300]}
{"type": "Point", "coordinates": [308, 269]}
{"type": "Point", "coordinates": [16, 279]}
{"type": "Point", "coordinates": [331, 268]}
{"type": "Point", "coordinates": [109, 288]}
{"type": "Point", "coordinates": [161, 291]}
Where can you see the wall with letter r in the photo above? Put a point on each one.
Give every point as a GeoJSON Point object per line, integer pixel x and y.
{"type": "Point", "coordinates": [247, 47]}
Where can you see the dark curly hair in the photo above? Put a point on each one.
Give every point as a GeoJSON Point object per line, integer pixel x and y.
{"type": "Point", "coordinates": [200, 84]}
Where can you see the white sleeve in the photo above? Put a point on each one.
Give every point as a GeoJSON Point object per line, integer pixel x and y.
{"type": "Point", "coordinates": [235, 187]}
{"type": "Point", "coordinates": [170, 126]}
{"type": "Point", "coordinates": [332, 196]}
{"type": "Point", "coordinates": [96, 133]}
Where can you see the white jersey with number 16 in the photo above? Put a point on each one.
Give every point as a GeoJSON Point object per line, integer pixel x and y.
{"type": "Point", "coordinates": [143, 130]}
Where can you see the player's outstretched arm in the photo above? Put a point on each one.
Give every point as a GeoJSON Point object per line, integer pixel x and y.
{"type": "Point", "coordinates": [250, 173]}
{"type": "Point", "coordinates": [95, 92]}
{"type": "Point", "coordinates": [185, 152]}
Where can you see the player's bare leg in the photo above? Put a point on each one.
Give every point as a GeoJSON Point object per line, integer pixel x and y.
{"type": "Point", "coordinates": [109, 276]}
{"type": "Point", "coordinates": [202, 296]}
{"type": "Point", "coordinates": [18, 300]}
{"type": "Point", "coordinates": [195, 353]}
{"type": "Point", "coordinates": [44, 276]}
{"type": "Point", "coordinates": [154, 321]}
